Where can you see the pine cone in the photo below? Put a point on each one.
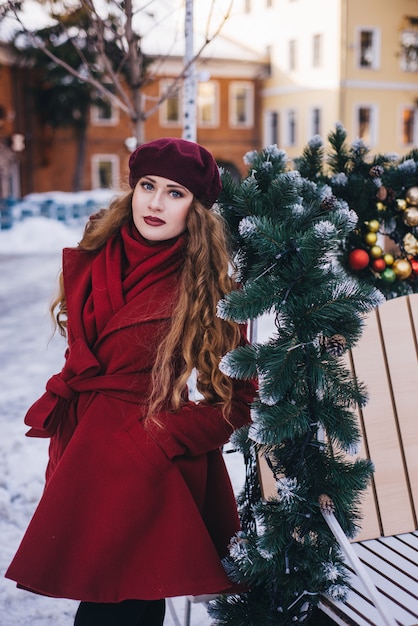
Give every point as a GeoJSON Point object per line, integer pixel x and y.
{"type": "Point", "coordinates": [376, 171]}
{"type": "Point", "coordinates": [334, 345]}
{"type": "Point", "coordinates": [326, 504]}
{"type": "Point", "coordinates": [329, 203]}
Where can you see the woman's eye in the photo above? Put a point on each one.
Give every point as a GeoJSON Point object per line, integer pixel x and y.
{"type": "Point", "coordinates": [176, 194]}
{"type": "Point", "coordinates": [147, 186]}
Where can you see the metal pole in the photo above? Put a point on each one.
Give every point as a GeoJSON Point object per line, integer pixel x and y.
{"type": "Point", "coordinates": [190, 84]}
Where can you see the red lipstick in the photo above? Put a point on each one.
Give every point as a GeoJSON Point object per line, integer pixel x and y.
{"type": "Point", "coordinates": [153, 221]}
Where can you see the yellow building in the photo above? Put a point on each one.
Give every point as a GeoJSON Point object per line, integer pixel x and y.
{"type": "Point", "coordinates": [348, 61]}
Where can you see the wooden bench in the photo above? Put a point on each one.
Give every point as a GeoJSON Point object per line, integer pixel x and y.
{"type": "Point", "coordinates": [386, 360]}
{"type": "Point", "coordinates": [383, 558]}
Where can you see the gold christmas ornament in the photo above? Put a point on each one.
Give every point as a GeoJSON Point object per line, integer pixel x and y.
{"type": "Point", "coordinates": [388, 258]}
{"type": "Point", "coordinates": [411, 196]}
{"type": "Point", "coordinates": [402, 268]}
{"type": "Point", "coordinates": [410, 244]}
{"type": "Point", "coordinates": [373, 226]}
{"type": "Point", "coordinates": [401, 204]}
{"type": "Point", "coordinates": [381, 207]}
{"type": "Point", "coordinates": [410, 216]}
{"type": "Point", "coordinates": [370, 238]}
{"type": "Point", "coordinates": [376, 252]}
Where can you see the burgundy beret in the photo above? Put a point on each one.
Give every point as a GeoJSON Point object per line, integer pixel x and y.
{"type": "Point", "coordinates": [183, 161]}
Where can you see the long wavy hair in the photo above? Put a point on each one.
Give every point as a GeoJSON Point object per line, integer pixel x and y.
{"type": "Point", "coordinates": [197, 338]}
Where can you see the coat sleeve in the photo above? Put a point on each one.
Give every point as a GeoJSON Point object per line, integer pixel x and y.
{"type": "Point", "coordinates": [199, 428]}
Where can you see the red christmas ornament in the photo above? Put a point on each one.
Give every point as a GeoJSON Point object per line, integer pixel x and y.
{"type": "Point", "coordinates": [358, 259]}
{"type": "Point", "coordinates": [379, 265]}
{"type": "Point", "coordinates": [414, 265]}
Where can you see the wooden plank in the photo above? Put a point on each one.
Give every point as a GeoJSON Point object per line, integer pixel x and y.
{"type": "Point", "coordinates": [362, 578]}
{"type": "Point", "coordinates": [399, 555]}
{"type": "Point", "coordinates": [403, 543]}
{"type": "Point", "coordinates": [401, 351]}
{"type": "Point", "coordinates": [358, 608]}
{"type": "Point", "coordinates": [370, 522]}
{"type": "Point", "coordinates": [392, 565]}
{"type": "Point", "coordinates": [344, 615]}
{"type": "Point", "coordinates": [411, 539]}
{"type": "Point", "coordinates": [382, 437]}
{"type": "Point", "coordinates": [413, 305]}
{"type": "Point", "coordinates": [389, 580]}
{"type": "Point", "coordinates": [266, 478]}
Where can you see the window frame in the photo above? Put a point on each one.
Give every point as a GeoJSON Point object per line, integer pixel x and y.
{"type": "Point", "coordinates": [214, 122]}
{"type": "Point", "coordinates": [373, 123]}
{"type": "Point", "coordinates": [97, 120]}
{"type": "Point", "coordinates": [414, 115]}
{"type": "Point", "coordinates": [164, 121]}
{"type": "Point", "coordinates": [317, 50]}
{"type": "Point", "coordinates": [315, 125]}
{"type": "Point", "coordinates": [292, 52]}
{"type": "Point", "coordinates": [291, 131]}
{"type": "Point", "coordinates": [272, 132]}
{"type": "Point", "coordinates": [249, 105]}
{"type": "Point", "coordinates": [114, 160]}
{"type": "Point", "coordinates": [375, 48]}
{"type": "Point", "coordinates": [410, 65]}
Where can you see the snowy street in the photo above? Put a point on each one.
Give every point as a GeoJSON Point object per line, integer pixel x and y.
{"type": "Point", "coordinates": [29, 265]}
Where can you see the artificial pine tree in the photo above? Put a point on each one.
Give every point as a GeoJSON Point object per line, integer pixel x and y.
{"type": "Point", "coordinates": [286, 231]}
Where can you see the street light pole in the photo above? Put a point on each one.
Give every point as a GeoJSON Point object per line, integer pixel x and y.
{"type": "Point", "coordinates": [190, 83]}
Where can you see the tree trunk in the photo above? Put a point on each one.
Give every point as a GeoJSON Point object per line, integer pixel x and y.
{"type": "Point", "coordinates": [135, 72]}
{"type": "Point", "coordinates": [81, 134]}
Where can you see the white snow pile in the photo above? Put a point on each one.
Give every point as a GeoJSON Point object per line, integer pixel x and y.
{"type": "Point", "coordinates": [38, 235]}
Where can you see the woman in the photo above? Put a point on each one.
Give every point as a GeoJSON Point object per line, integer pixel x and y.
{"type": "Point", "coordinates": [138, 505]}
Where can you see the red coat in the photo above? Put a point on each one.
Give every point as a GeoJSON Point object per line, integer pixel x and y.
{"type": "Point", "coordinates": [126, 513]}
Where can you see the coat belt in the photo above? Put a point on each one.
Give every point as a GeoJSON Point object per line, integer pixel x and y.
{"type": "Point", "coordinates": [44, 416]}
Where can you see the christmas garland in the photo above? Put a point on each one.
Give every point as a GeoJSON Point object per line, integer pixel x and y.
{"type": "Point", "coordinates": [383, 192]}
{"type": "Point", "coordinates": [287, 231]}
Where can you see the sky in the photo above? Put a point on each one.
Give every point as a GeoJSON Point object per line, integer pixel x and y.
{"type": "Point", "coordinates": [160, 23]}
{"type": "Point", "coordinates": [30, 255]}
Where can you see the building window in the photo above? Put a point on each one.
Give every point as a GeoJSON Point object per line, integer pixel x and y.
{"type": "Point", "coordinates": [104, 113]}
{"type": "Point", "coordinates": [241, 104]}
{"type": "Point", "coordinates": [271, 133]}
{"type": "Point", "coordinates": [292, 54]}
{"type": "Point", "coordinates": [316, 121]}
{"type": "Point", "coordinates": [317, 51]}
{"type": "Point", "coordinates": [207, 104]}
{"type": "Point", "coordinates": [291, 127]}
{"type": "Point", "coordinates": [365, 124]}
{"type": "Point", "coordinates": [171, 110]}
{"type": "Point", "coordinates": [409, 50]}
{"type": "Point", "coordinates": [105, 171]}
{"type": "Point", "coordinates": [409, 130]}
{"type": "Point", "coordinates": [368, 48]}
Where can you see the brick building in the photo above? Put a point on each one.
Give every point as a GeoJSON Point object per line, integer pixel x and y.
{"type": "Point", "coordinates": [39, 158]}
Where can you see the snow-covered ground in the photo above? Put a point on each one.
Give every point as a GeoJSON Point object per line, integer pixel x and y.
{"type": "Point", "coordinates": [30, 255]}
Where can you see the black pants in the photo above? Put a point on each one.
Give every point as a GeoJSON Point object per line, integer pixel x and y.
{"type": "Point", "coordinates": [126, 613]}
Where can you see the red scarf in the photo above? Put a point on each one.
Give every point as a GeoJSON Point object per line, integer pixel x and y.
{"type": "Point", "coordinates": [127, 266]}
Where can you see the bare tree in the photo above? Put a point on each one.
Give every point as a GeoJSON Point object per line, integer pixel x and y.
{"type": "Point", "coordinates": [120, 69]}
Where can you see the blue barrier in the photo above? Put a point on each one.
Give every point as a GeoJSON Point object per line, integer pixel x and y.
{"type": "Point", "coordinates": [12, 210]}
{"type": "Point", "coordinates": [6, 213]}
